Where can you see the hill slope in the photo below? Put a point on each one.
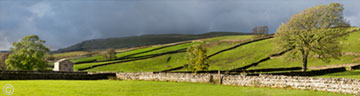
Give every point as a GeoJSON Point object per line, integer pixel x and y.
{"type": "Point", "coordinates": [165, 61]}
{"type": "Point", "coordinates": [239, 57]}
{"type": "Point", "coordinates": [144, 40]}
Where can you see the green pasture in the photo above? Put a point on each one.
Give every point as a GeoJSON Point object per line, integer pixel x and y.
{"type": "Point", "coordinates": [144, 88]}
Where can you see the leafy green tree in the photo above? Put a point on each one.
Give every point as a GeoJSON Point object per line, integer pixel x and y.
{"type": "Point", "coordinates": [28, 54]}
{"type": "Point", "coordinates": [197, 59]}
{"type": "Point", "coordinates": [315, 31]}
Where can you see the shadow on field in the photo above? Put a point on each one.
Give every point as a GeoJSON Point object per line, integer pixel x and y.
{"type": "Point", "coordinates": [310, 73]}
{"type": "Point", "coordinates": [135, 58]}
{"type": "Point", "coordinates": [224, 50]}
{"type": "Point", "coordinates": [129, 56]}
{"type": "Point", "coordinates": [241, 44]}
{"type": "Point", "coordinates": [262, 60]}
{"type": "Point", "coordinates": [247, 71]}
{"type": "Point", "coordinates": [294, 71]}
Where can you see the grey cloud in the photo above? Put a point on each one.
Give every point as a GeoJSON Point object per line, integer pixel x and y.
{"type": "Point", "coordinates": [65, 22]}
{"type": "Point", "coordinates": [4, 42]}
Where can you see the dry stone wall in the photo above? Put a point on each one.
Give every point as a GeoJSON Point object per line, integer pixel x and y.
{"type": "Point", "coordinates": [350, 86]}
{"type": "Point", "coordinates": [176, 77]}
{"type": "Point", "coordinates": [321, 84]}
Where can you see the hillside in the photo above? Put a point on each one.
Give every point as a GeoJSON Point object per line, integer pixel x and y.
{"type": "Point", "coordinates": [161, 62]}
{"type": "Point", "coordinates": [144, 40]}
{"type": "Point", "coordinates": [227, 53]}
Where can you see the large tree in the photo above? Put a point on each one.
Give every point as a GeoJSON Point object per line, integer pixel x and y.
{"type": "Point", "coordinates": [28, 54]}
{"type": "Point", "coordinates": [315, 31]}
{"type": "Point", "coordinates": [197, 58]}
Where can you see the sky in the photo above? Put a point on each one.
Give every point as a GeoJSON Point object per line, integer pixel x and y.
{"type": "Point", "coordinates": [62, 23]}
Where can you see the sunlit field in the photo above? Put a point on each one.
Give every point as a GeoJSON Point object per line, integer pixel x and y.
{"type": "Point", "coordinates": [145, 88]}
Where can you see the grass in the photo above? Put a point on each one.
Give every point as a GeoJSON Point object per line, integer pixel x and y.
{"type": "Point", "coordinates": [354, 74]}
{"type": "Point", "coordinates": [153, 64]}
{"type": "Point", "coordinates": [352, 44]}
{"type": "Point", "coordinates": [86, 59]}
{"type": "Point", "coordinates": [172, 48]}
{"type": "Point", "coordinates": [122, 54]}
{"type": "Point", "coordinates": [119, 55]}
{"type": "Point", "coordinates": [219, 43]}
{"type": "Point", "coordinates": [147, 65]}
{"type": "Point", "coordinates": [69, 54]}
{"type": "Point", "coordinates": [243, 55]}
{"type": "Point", "coordinates": [238, 57]}
{"type": "Point", "coordinates": [168, 49]}
{"type": "Point", "coordinates": [281, 62]}
{"type": "Point", "coordinates": [144, 88]}
{"type": "Point", "coordinates": [229, 38]}
{"type": "Point", "coordinates": [81, 66]}
{"type": "Point", "coordinates": [161, 63]}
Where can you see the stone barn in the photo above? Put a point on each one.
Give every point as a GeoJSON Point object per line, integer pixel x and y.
{"type": "Point", "coordinates": [63, 65]}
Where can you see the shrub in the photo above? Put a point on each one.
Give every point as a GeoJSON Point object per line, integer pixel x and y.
{"type": "Point", "coordinates": [197, 59]}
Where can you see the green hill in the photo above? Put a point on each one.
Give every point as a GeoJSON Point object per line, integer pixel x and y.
{"type": "Point", "coordinates": [227, 53]}
{"type": "Point", "coordinates": [144, 40]}
{"type": "Point", "coordinates": [161, 62]}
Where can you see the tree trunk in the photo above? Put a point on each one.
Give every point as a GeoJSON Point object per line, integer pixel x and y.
{"type": "Point", "coordinates": [305, 57]}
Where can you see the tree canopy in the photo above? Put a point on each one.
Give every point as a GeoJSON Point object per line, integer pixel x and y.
{"type": "Point", "coordinates": [197, 58]}
{"type": "Point", "coordinates": [28, 54]}
{"type": "Point", "coordinates": [315, 31]}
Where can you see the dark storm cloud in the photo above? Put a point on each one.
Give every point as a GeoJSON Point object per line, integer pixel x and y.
{"type": "Point", "coordinates": [65, 22]}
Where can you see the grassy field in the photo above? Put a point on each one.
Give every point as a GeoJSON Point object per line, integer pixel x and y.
{"type": "Point", "coordinates": [281, 62]}
{"type": "Point", "coordinates": [135, 51]}
{"type": "Point", "coordinates": [352, 44]}
{"type": "Point", "coordinates": [86, 59]}
{"type": "Point", "coordinates": [354, 74]}
{"type": "Point", "coordinates": [229, 38]}
{"type": "Point", "coordinates": [161, 62]}
{"type": "Point", "coordinates": [80, 66]}
{"type": "Point", "coordinates": [238, 57]}
{"type": "Point", "coordinates": [172, 48]}
{"type": "Point", "coordinates": [242, 56]}
{"type": "Point", "coordinates": [153, 64]}
{"type": "Point", "coordinates": [144, 88]}
{"type": "Point", "coordinates": [122, 54]}
{"type": "Point", "coordinates": [147, 65]}
{"type": "Point", "coordinates": [67, 54]}
{"type": "Point", "coordinates": [168, 49]}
